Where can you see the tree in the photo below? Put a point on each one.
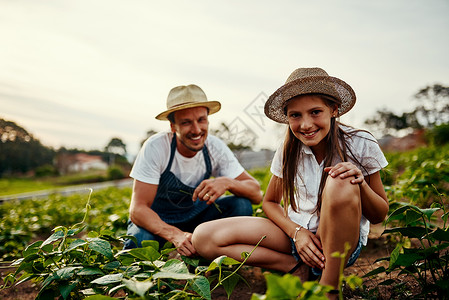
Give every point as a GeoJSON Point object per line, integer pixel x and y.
{"type": "Point", "coordinates": [115, 147]}
{"type": "Point", "coordinates": [20, 152]}
{"type": "Point", "coordinates": [433, 110]}
{"type": "Point", "coordinates": [236, 138]}
{"type": "Point", "coordinates": [434, 105]}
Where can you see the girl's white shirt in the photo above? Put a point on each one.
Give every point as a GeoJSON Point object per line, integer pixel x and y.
{"type": "Point", "coordinates": [154, 156]}
{"type": "Point", "coordinates": [366, 150]}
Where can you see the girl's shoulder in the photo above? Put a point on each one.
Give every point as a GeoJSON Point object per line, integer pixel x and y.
{"type": "Point", "coordinates": [356, 134]}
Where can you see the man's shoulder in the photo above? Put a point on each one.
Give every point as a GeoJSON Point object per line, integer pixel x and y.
{"type": "Point", "coordinates": [215, 143]}
{"type": "Point", "coordinates": [159, 138]}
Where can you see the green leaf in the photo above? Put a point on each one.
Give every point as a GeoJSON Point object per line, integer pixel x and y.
{"type": "Point", "coordinates": [101, 247]}
{"type": "Point", "coordinates": [230, 283]}
{"type": "Point", "coordinates": [440, 235]}
{"type": "Point", "coordinates": [88, 271]}
{"type": "Point", "coordinates": [428, 212]}
{"type": "Point", "coordinates": [394, 256]}
{"type": "Point", "coordinates": [66, 273]}
{"type": "Point", "coordinates": [147, 253]}
{"type": "Point", "coordinates": [201, 285]}
{"type": "Point", "coordinates": [222, 260]}
{"type": "Point", "coordinates": [99, 297]}
{"type": "Point", "coordinates": [67, 289]}
{"type": "Point", "coordinates": [411, 216]}
{"type": "Point", "coordinates": [54, 237]}
{"type": "Point", "coordinates": [191, 261]}
{"type": "Point", "coordinates": [151, 243]}
{"type": "Point", "coordinates": [31, 249]}
{"type": "Point", "coordinates": [175, 266]}
{"type": "Point", "coordinates": [112, 265]}
{"type": "Point", "coordinates": [173, 275]}
{"type": "Point", "coordinates": [285, 287]}
{"type": "Point", "coordinates": [138, 287]}
{"type": "Point", "coordinates": [412, 232]}
{"type": "Point", "coordinates": [108, 279]}
{"type": "Point", "coordinates": [376, 271]}
{"type": "Point", "coordinates": [75, 244]}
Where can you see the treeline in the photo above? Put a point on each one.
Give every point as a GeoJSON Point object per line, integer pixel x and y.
{"type": "Point", "coordinates": [21, 153]}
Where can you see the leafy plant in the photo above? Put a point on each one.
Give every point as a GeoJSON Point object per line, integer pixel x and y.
{"type": "Point", "coordinates": [70, 267]}
{"type": "Point", "coordinates": [428, 261]}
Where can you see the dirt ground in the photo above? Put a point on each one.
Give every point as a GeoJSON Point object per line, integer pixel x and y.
{"type": "Point", "coordinates": [376, 248]}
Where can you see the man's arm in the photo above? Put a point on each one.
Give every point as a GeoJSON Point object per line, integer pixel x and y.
{"type": "Point", "coordinates": [243, 185]}
{"type": "Point", "coordinates": [142, 215]}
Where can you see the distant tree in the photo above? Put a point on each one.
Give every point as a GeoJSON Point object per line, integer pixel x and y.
{"type": "Point", "coordinates": [433, 109]}
{"type": "Point", "coordinates": [434, 105]}
{"type": "Point", "coordinates": [20, 152]}
{"type": "Point", "coordinates": [236, 141]}
{"type": "Point", "coordinates": [115, 148]}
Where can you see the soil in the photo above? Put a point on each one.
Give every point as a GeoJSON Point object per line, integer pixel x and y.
{"type": "Point", "coordinates": [376, 248]}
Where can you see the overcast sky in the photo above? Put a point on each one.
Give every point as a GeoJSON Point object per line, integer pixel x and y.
{"type": "Point", "coordinates": [77, 73]}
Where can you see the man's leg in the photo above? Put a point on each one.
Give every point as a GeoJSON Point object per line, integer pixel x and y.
{"type": "Point", "coordinates": [227, 206]}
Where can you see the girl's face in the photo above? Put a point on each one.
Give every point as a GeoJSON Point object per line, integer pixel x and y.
{"type": "Point", "coordinates": [309, 118]}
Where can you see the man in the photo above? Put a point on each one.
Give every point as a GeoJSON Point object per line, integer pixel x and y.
{"type": "Point", "coordinates": [180, 176]}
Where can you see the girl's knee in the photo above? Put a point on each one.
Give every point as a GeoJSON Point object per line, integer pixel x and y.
{"type": "Point", "coordinates": [341, 193]}
{"type": "Point", "coordinates": [203, 240]}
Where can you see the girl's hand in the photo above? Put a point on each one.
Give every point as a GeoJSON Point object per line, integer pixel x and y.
{"type": "Point", "coordinates": [344, 170]}
{"type": "Point", "coordinates": [309, 248]}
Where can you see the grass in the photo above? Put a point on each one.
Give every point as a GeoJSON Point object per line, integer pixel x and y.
{"type": "Point", "coordinates": [11, 186]}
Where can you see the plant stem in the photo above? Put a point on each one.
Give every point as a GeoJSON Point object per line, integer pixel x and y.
{"type": "Point", "coordinates": [238, 268]}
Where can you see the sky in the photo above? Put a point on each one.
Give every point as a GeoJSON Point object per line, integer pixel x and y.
{"type": "Point", "coordinates": [77, 73]}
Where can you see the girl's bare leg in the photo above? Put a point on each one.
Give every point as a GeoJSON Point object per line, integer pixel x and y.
{"type": "Point", "coordinates": [232, 236]}
{"type": "Point", "coordinates": [339, 223]}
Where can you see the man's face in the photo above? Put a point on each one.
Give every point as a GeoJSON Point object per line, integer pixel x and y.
{"type": "Point", "coordinates": [191, 127]}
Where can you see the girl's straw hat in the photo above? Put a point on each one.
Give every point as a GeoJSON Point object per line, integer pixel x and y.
{"type": "Point", "coordinates": [309, 81]}
{"type": "Point", "coordinates": [187, 96]}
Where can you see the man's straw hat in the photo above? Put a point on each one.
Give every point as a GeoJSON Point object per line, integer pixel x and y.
{"type": "Point", "coordinates": [305, 81]}
{"type": "Point", "coordinates": [187, 96]}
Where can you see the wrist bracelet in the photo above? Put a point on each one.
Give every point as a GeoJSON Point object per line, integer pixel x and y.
{"type": "Point", "coordinates": [296, 231]}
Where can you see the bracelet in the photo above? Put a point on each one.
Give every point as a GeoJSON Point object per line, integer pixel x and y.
{"type": "Point", "coordinates": [296, 231]}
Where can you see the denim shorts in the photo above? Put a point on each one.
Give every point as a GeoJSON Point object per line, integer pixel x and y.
{"type": "Point", "coordinates": [316, 271]}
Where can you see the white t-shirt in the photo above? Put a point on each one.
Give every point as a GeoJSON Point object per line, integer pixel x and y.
{"type": "Point", "coordinates": [154, 156]}
{"type": "Point", "coordinates": [367, 152]}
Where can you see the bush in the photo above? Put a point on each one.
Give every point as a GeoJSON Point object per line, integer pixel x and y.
{"type": "Point", "coordinates": [45, 170]}
{"type": "Point", "coordinates": [439, 135]}
{"type": "Point", "coordinates": [115, 172]}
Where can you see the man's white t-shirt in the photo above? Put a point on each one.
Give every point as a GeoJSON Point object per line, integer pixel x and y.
{"type": "Point", "coordinates": [154, 156]}
{"type": "Point", "coordinates": [366, 150]}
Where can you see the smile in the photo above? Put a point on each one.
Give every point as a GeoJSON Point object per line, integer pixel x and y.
{"type": "Point", "coordinates": [196, 138]}
{"type": "Point", "coordinates": [310, 133]}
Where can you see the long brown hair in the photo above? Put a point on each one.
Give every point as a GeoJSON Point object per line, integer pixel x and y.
{"type": "Point", "coordinates": [337, 145]}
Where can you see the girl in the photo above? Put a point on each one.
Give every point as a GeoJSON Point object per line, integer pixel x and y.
{"type": "Point", "coordinates": [327, 176]}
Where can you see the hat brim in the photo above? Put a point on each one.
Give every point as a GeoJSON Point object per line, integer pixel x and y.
{"type": "Point", "coordinates": [213, 106]}
{"type": "Point", "coordinates": [327, 85]}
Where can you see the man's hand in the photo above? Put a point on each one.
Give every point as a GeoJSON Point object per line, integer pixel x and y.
{"type": "Point", "coordinates": [211, 189]}
{"type": "Point", "coordinates": [183, 244]}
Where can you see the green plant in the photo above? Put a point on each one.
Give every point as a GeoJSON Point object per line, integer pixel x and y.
{"type": "Point", "coordinates": [427, 262]}
{"type": "Point", "coordinates": [288, 287]}
{"type": "Point", "coordinates": [70, 267]}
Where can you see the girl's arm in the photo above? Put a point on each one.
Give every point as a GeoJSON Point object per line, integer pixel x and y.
{"type": "Point", "coordinates": [374, 199]}
{"type": "Point", "coordinates": [307, 244]}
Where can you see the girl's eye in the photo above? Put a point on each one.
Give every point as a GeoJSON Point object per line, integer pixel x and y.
{"type": "Point", "coordinates": [316, 112]}
{"type": "Point", "coordinates": [294, 115]}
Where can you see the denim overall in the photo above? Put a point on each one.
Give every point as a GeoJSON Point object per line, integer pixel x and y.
{"type": "Point", "coordinates": [173, 202]}
{"type": "Point", "coordinates": [174, 205]}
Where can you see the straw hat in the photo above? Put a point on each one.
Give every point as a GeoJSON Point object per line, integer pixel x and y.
{"type": "Point", "coordinates": [187, 96]}
{"type": "Point", "coordinates": [305, 81]}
